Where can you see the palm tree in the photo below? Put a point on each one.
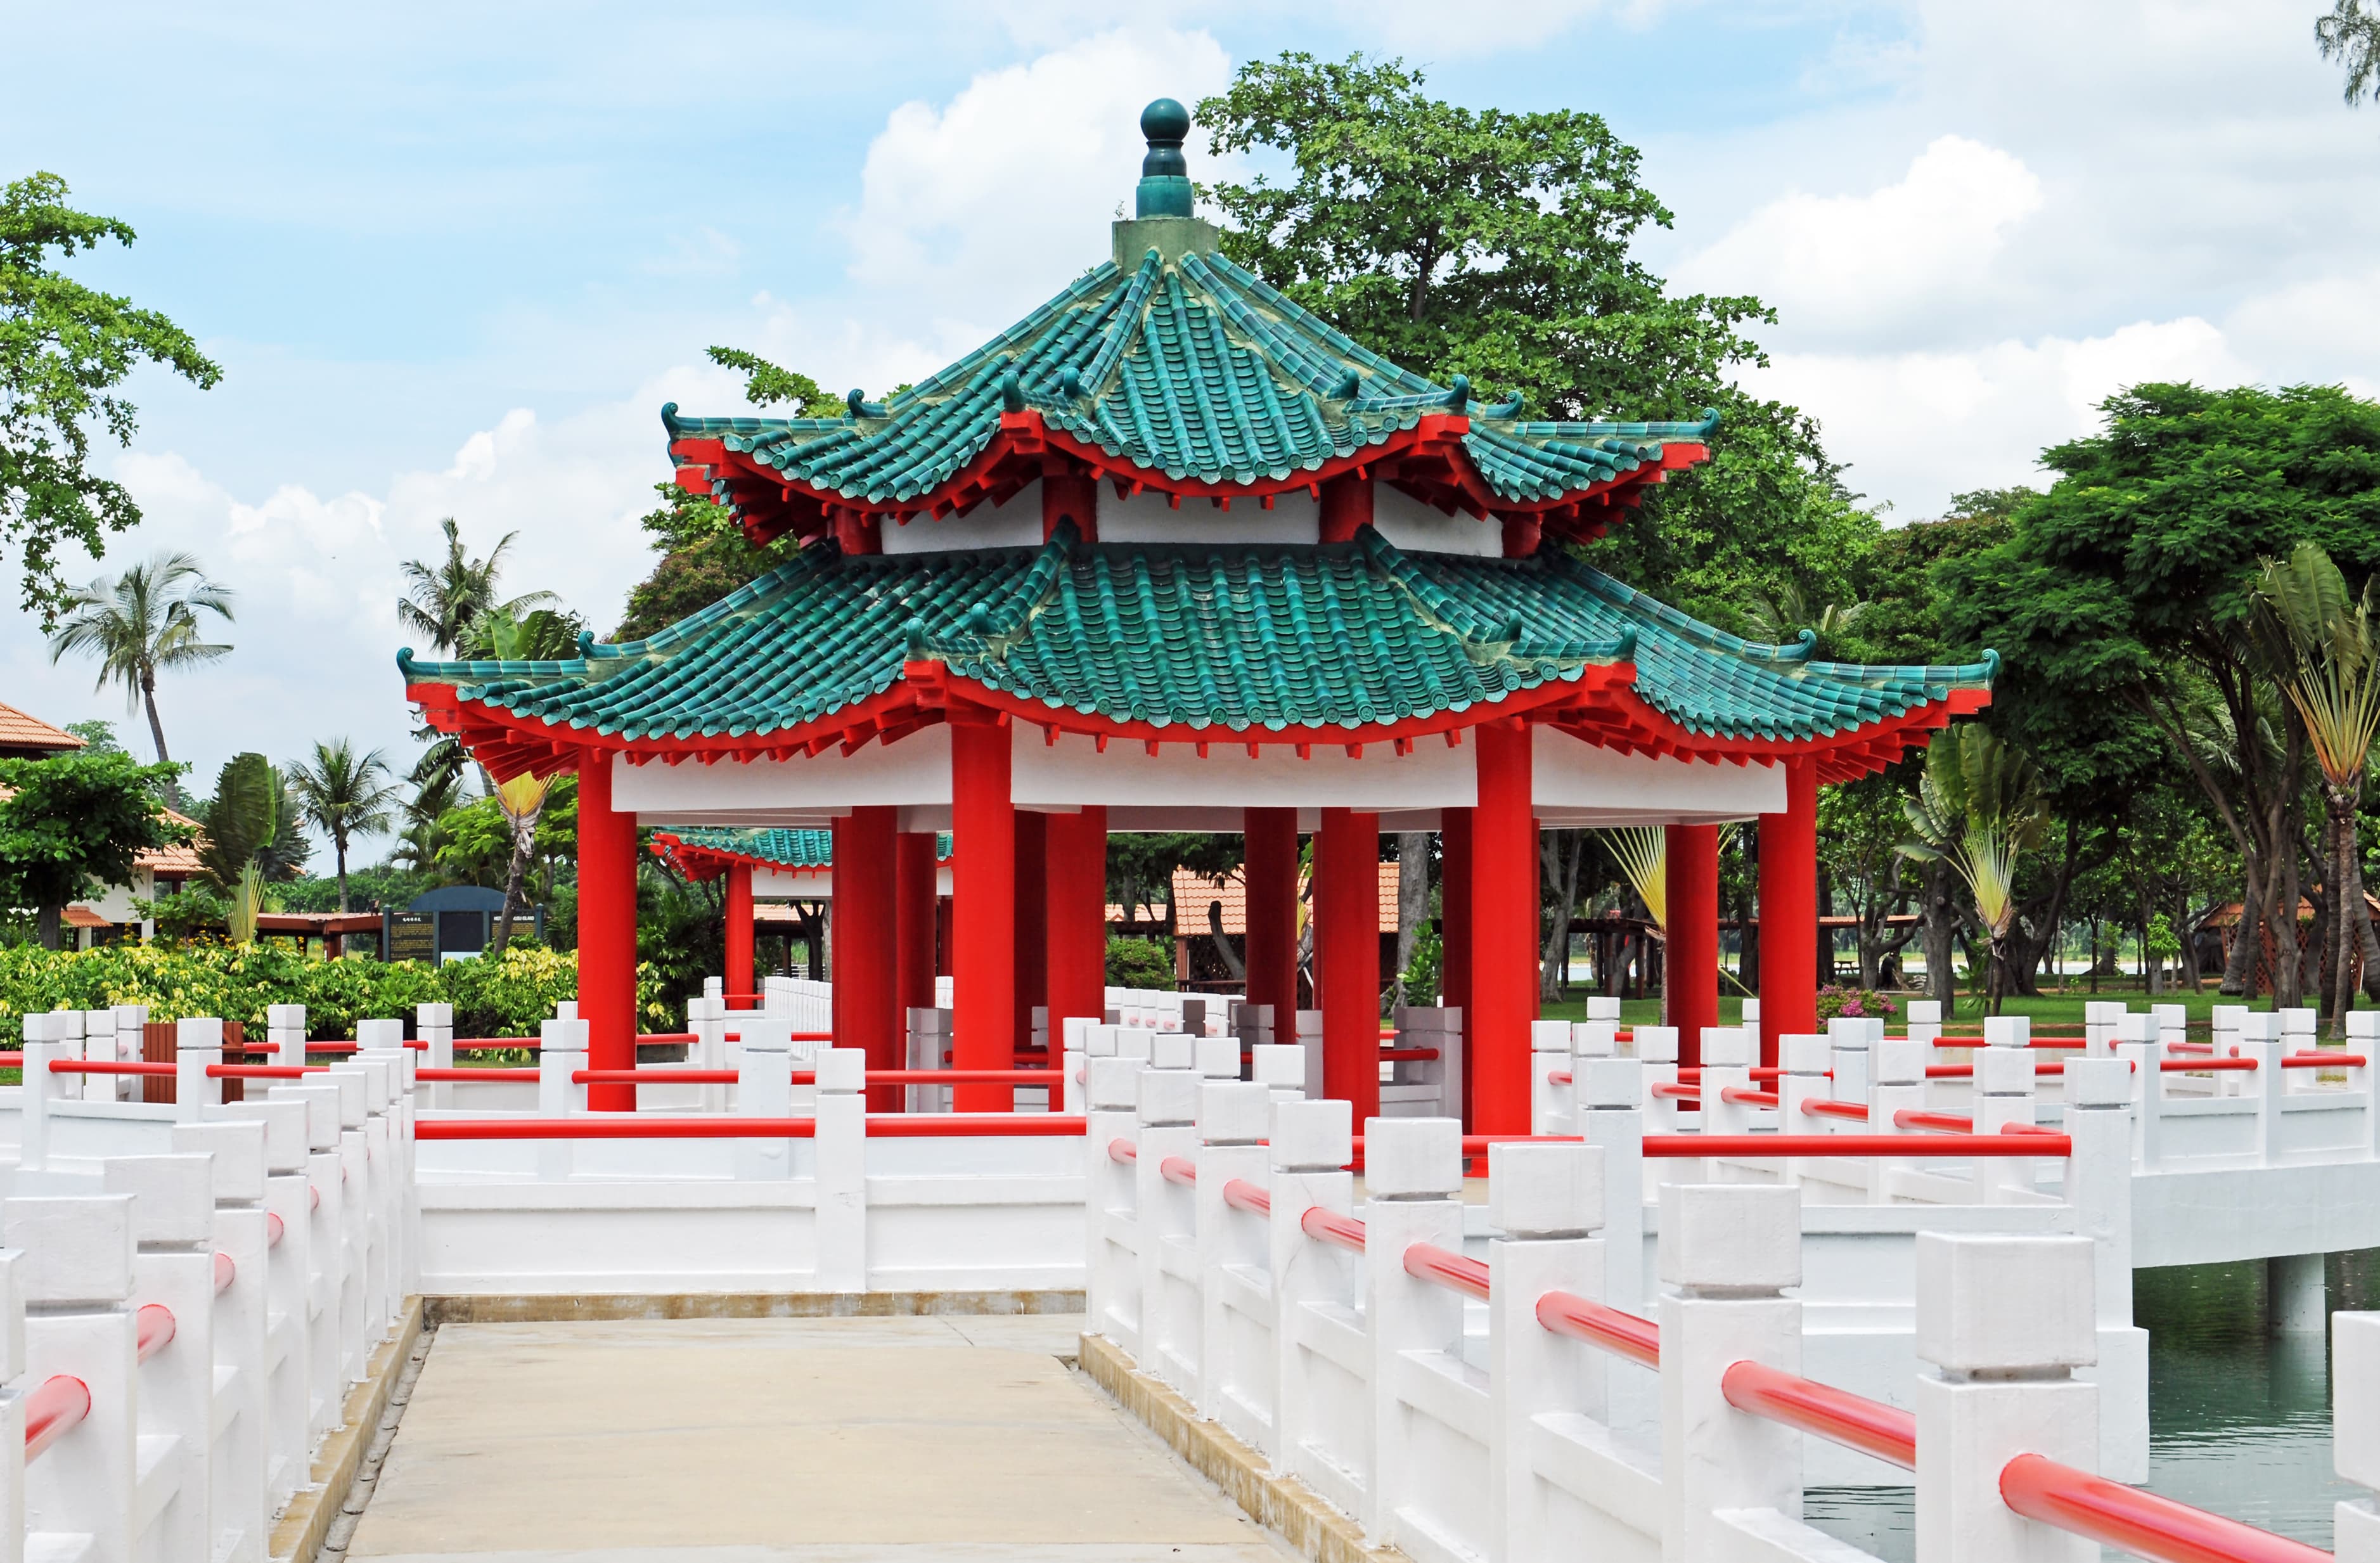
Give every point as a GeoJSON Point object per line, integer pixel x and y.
{"type": "Point", "coordinates": [418, 842]}
{"type": "Point", "coordinates": [1979, 808]}
{"type": "Point", "coordinates": [2333, 679]}
{"type": "Point", "coordinates": [544, 635]}
{"type": "Point", "coordinates": [2350, 35]}
{"type": "Point", "coordinates": [140, 623]}
{"type": "Point", "coordinates": [1782, 618]}
{"type": "Point", "coordinates": [344, 795]}
{"type": "Point", "coordinates": [443, 601]}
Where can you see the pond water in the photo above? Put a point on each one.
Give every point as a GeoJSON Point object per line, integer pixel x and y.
{"type": "Point", "coordinates": [2238, 1417]}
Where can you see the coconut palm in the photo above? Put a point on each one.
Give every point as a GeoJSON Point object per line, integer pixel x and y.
{"type": "Point", "coordinates": [140, 624]}
{"type": "Point", "coordinates": [444, 600]}
{"type": "Point", "coordinates": [1979, 808]}
{"type": "Point", "coordinates": [2333, 679]}
{"type": "Point", "coordinates": [501, 634]}
{"type": "Point", "coordinates": [344, 795]}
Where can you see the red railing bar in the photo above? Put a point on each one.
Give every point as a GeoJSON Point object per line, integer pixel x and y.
{"type": "Point", "coordinates": [647, 1076]}
{"type": "Point", "coordinates": [1241, 1194]}
{"type": "Point", "coordinates": [2316, 1059]}
{"type": "Point", "coordinates": [273, 1229]}
{"type": "Point", "coordinates": [155, 1327]}
{"type": "Point", "coordinates": [1123, 1150]}
{"type": "Point", "coordinates": [2201, 1066]}
{"type": "Point", "coordinates": [1838, 1415]}
{"type": "Point", "coordinates": [78, 1066]}
{"type": "Point", "coordinates": [2115, 1515]}
{"type": "Point", "coordinates": [1818, 1106]}
{"type": "Point", "coordinates": [1559, 1077]}
{"type": "Point", "coordinates": [264, 1071]}
{"type": "Point", "coordinates": [226, 1271]}
{"type": "Point", "coordinates": [791, 1037]}
{"type": "Point", "coordinates": [1758, 1072]}
{"type": "Point", "coordinates": [946, 1076]}
{"type": "Point", "coordinates": [1748, 1098]}
{"type": "Point", "coordinates": [1179, 1170]}
{"type": "Point", "coordinates": [54, 1410]}
{"type": "Point", "coordinates": [615, 1126]}
{"type": "Point", "coordinates": [1409, 1055]}
{"type": "Point", "coordinates": [1340, 1232]}
{"type": "Point", "coordinates": [1669, 1090]}
{"type": "Point", "coordinates": [1580, 1318]}
{"type": "Point", "coordinates": [1978, 1045]}
{"type": "Point", "coordinates": [1948, 1146]}
{"type": "Point", "coordinates": [1937, 1122]}
{"type": "Point", "coordinates": [1426, 1261]}
{"type": "Point", "coordinates": [972, 1125]}
{"type": "Point", "coordinates": [1967, 1071]}
{"type": "Point", "coordinates": [331, 1048]}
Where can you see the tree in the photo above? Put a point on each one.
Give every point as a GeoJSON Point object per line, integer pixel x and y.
{"type": "Point", "coordinates": [443, 600]}
{"type": "Point", "coordinates": [2129, 586]}
{"type": "Point", "coordinates": [1501, 245]}
{"type": "Point", "coordinates": [140, 624]}
{"type": "Point", "coordinates": [344, 795]}
{"type": "Point", "coordinates": [543, 635]}
{"type": "Point", "coordinates": [2335, 685]}
{"type": "Point", "coordinates": [252, 838]}
{"type": "Point", "coordinates": [2350, 35]}
{"type": "Point", "coordinates": [74, 823]}
{"type": "Point", "coordinates": [767, 384]}
{"type": "Point", "coordinates": [1861, 826]}
{"type": "Point", "coordinates": [1978, 807]}
{"type": "Point", "coordinates": [65, 348]}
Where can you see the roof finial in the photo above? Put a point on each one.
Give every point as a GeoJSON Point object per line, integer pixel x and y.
{"type": "Point", "coordinates": [1164, 188]}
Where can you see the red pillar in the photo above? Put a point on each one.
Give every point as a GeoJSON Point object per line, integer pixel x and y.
{"type": "Point", "coordinates": [1503, 895]}
{"type": "Point", "coordinates": [1032, 923]}
{"type": "Point", "coordinates": [868, 943]}
{"type": "Point", "coordinates": [1076, 930]}
{"type": "Point", "coordinates": [1691, 963]}
{"type": "Point", "coordinates": [983, 905]}
{"type": "Point", "coordinates": [1347, 947]}
{"type": "Point", "coordinates": [1271, 875]}
{"type": "Point", "coordinates": [1346, 505]}
{"type": "Point", "coordinates": [1788, 912]}
{"type": "Point", "coordinates": [915, 899]}
{"type": "Point", "coordinates": [607, 931]}
{"type": "Point", "coordinates": [740, 975]}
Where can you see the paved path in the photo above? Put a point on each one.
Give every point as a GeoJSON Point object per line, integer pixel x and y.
{"type": "Point", "coordinates": [922, 1440]}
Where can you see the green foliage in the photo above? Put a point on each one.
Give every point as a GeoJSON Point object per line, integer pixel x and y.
{"type": "Point", "coordinates": [2350, 35]}
{"type": "Point", "coordinates": [195, 912]}
{"type": "Point", "coordinates": [443, 599]}
{"type": "Point", "coordinates": [1141, 866]}
{"type": "Point", "coordinates": [344, 795]}
{"type": "Point", "coordinates": [681, 939]}
{"type": "Point", "coordinates": [767, 384]}
{"type": "Point", "coordinates": [704, 557]}
{"type": "Point", "coordinates": [140, 624]}
{"type": "Point", "coordinates": [384, 887]}
{"type": "Point", "coordinates": [494, 995]}
{"type": "Point", "coordinates": [241, 821]}
{"type": "Point", "coordinates": [1139, 963]}
{"type": "Point", "coordinates": [1852, 1002]}
{"type": "Point", "coordinates": [476, 839]}
{"type": "Point", "coordinates": [65, 350]}
{"type": "Point", "coordinates": [74, 823]}
{"type": "Point", "coordinates": [98, 737]}
{"type": "Point", "coordinates": [1427, 969]}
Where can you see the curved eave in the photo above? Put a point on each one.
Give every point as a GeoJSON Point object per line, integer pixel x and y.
{"type": "Point", "coordinates": [701, 862]}
{"type": "Point", "coordinates": [1600, 706]}
{"type": "Point", "coordinates": [1427, 459]}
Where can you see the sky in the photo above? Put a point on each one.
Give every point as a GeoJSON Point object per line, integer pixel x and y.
{"type": "Point", "coordinates": [453, 259]}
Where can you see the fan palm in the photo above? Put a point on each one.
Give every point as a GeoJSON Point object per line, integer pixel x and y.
{"type": "Point", "coordinates": [140, 624]}
{"type": "Point", "coordinates": [344, 795]}
{"type": "Point", "coordinates": [1979, 808]}
{"type": "Point", "coordinates": [543, 635]}
{"type": "Point", "coordinates": [1782, 618]}
{"type": "Point", "coordinates": [2333, 679]}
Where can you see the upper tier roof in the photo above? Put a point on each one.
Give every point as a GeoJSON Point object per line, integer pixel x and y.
{"type": "Point", "coordinates": [1227, 643]}
{"type": "Point", "coordinates": [704, 850]}
{"type": "Point", "coordinates": [1177, 371]}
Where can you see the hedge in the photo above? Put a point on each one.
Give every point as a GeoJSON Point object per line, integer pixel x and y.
{"type": "Point", "coordinates": [503, 994]}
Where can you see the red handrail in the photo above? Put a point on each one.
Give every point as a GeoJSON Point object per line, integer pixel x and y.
{"type": "Point", "coordinates": [1241, 1194]}
{"type": "Point", "coordinates": [78, 1066]}
{"type": "Point", "coordinates": [264, 1071]}
{"type": "Point", "coordinates": [1855, 1421]}
{"type": "Point", "coordinates": [1663, 1088]}
{"type": "Point", "coordinates": [1340, 1232]}
{"type": "Point", "coordinates": [1937, 1122]}
{"type": "Point", "coordinates": [1819, 1107]}
{"type": "Point", "coordinates": [1948, 1146]}
{"type": "Point", "coordinates": [1179, 1170]}
{"type": "Point", "coordinates": [1581, 1318]}
{"type": "Point", "coordinates": [615, 1126]}
{"type": "Point", "coordinates": [971, 1125]}
{"type": "Point", "coordinates": [941, 1076]}
{"type": "Point", "coordinates": [226, 1271]}
{"type": "Point", "coordinates": [52, 1410]}
{"type": "Point", "coordinates": [1978, 1045]}
{"type": "Point", "coordinates": [1747, 1097]}
{"type": "Point", "coordinates": [1426, 1261]}
{"type": "Point", "coordinates": [1409, 1055]}
{"type": "Point", "coordinates": [1559, 1077]}
{"type": "Point", "coordinates": [1123, 1150]}
{"type": "Point", "coordinates": [652, 1077]}
{"type": "Point", "coordinates": [2316, 1060]}
{"type": "Point", "coordinates": [1967, 1071]}
{"type": "Point", "coordinates": [2115, 1515]}
{"type": "Point", "coordinates": [154, 1324]}
{"type": "Point", "coordinates": [2201, 1066]}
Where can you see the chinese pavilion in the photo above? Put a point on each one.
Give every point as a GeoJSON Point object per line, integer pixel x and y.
{"type": "Point", "coordinates": [1173, 553]}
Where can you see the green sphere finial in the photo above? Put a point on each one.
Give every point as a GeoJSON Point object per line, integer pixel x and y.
{"type": "Point", "coordinates": [1164, 174]}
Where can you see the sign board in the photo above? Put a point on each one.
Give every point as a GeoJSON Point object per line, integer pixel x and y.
{"type": "Point", "coordinates": [409, 935]}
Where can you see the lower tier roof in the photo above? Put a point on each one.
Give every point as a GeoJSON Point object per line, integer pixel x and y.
{"type": "Point", "coordinates": [1223, 643]}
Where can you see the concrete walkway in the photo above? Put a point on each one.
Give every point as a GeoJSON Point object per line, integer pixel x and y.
{"type": "Point", "coordinates": [909, 1440]}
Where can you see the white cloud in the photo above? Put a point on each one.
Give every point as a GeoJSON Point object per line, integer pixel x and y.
{"type": "Point", "coordinates": [992, 201]}
{"type": "Point", "coordinates": [1899, 260]}
{"type": "Point", "coordinates": [1384, 26]}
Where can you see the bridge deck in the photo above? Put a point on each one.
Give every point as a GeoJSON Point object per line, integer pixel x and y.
{"type": "Point", "coordinates": [907, 1440]}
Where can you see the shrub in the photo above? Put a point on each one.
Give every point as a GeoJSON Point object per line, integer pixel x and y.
{"type": "Point", "coordinates": [1853, 1001]}
{"type": "Point", "coordinates": [1139, 963]}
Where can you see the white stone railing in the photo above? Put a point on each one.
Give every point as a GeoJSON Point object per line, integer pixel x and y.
{"type": "Point", "coordinates": [1528, 1401]}
{"type": "Point", "coordinates": [190, 1291]}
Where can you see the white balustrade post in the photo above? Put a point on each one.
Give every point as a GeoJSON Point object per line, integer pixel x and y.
{"type": "Point", "coordinates": [1546, 1201]}
{"type": "Point", "coordinates": [354, 1217]}
{"type": "Point", "coordinates": [382, 1053]}
{"type": "Point", "coordinates": [75, 1280]}
{"type": "Point", "coordinates": [1233, 1118]}
{"type": "Point", "coordinates": [764, 1088]}
{"type": "Point", "coordinates": [64, 1028]}
{"type": "Point", "coordinates": [2364, 1042]}
{"type": "Point", "coordinates": [1113, 1277]}
{"type": "Point", "coordinates": [173, 1269]}
{"type": "Point", "coordinates": [2136, 1041]}
{"type": "Point", "coordinates": [1279, 1069]}
{"type": "Point", "coordinates": [1657, 1050]}
{"type": "Point", "coordinates": [1801, 1061]}
{"type": "Point", "coordinates": [98, 1047]}
{"type": "Point", "coordinates": [2100, 1018]}
{"type": "Point", "coordinates": [41, 1089]}
{"type": "Point", "coordinates": [2355, 1432]}
{"type": "Point", "coordinates": [2004, 1095]}
{"type": "Point", "coordinates": [287, 1313]}
{"type": "Point", "coordinates": [367, 1193]}
{"type": "Point", "coordinates": [2004, 1321]}
{"type": "Point", "coordinates": [1728, 1054]}
{"type": "Point", "coordinates": [434, 1025]}
{"type": "Point", "coordinates": [240, 1235]}
{"type": "Point", "coordinates": [1413, 1176]}
{"type": "Point", "coordinates": [1166, 1104]}
{"type": "Point", "coordinates": [707, 1018]}
{"type": "Point", "coordinates": [324, 1250]}
{"type": "Point", "coordinates": [1074, 1066]}
{"type": "Point", "coordinates": [12, 1407]}
{"type": "Point", "coordinates": [1549, 1055]}
{"type": "Point", "coordinates": [198, 1047]}
{"type": "Point", "coordinates": [2268, 1085]}
{"type": "Point", "coordinates": [842, 1159]}
{"type": "Point", "coordinates": [1611, 1119]}
{"type": "Point", "coordinates": [1313, 1141]}
{"type": "Point", "coordinates": [1852, 1060]}
{"type": "Point", "coordinates": [1900, 1086]}
{"type": "Point", "coordinates": [1727, 1252]}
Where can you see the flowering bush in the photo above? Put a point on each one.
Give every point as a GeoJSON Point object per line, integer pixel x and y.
{"type": "Point", "coordinates": [1855, 1002]}
{"type": "Point", "coordinates": [494, 996]}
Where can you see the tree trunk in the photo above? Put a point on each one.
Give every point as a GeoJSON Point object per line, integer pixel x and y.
{"type": "Point", "coordinates": [2240, 966]}
{"type": "Point", "coordinates": [2344, 893]}
{"type": "Point", "coordinates": [524, 840]}
{"type": "Point", "coordinates": [1940, 930]}
{"type": "Point", "coordinates": [1239, 969]}
{"type": "Point", "coordinates": [1560, 854]}
{"type": "Point", "coordinates": [157, 733]}
{"type": "Point", "coordinates": [49, 923]}
{"type": "Point", "coordinates": [2281, 916]}
{"type": "Point", "coordinates": [339, 851]}
{"type": "Point", "coordinates": [1413, 901]}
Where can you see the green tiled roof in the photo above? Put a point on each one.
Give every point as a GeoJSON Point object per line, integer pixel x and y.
{"type": "Point", "coordinates": [1229, 638]}
{"type": "Point", "coordinates": [1189, 367]}
{"type": "Point", "coordinates": [783, 849]}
